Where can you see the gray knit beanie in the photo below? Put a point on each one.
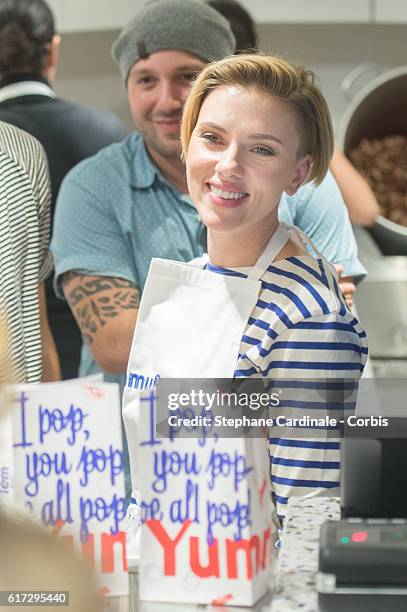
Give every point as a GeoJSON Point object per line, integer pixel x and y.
{"type": "Point", "coordinates": [184, 25]}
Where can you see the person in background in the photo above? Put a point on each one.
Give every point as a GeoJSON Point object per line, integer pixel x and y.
{"type": "Point", "coordinates": [69, 132]}
{"type": "Point", "coordinates": [241, 22]}
{"type": "Point", "coordinates": [25, 260]}
{"type": "Point", "coordinates": [130, 202]}
{"type": "Point", "coordinates": [359, 198]}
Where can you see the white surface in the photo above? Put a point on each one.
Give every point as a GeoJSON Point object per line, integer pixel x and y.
{"type": "Point", "coordinates": [57, 7]}
{"type": "Point", "coordinates": [93, 15]}
{"type": "Point", "coordinates": [309, 11]}
{"type": "Point", "coordinates": [391, 11]}
{"type": "Point", "coordinates": [99, 15]}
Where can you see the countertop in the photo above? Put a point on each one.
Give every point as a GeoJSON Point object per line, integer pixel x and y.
{"type": "Point", "coordinates": [133, 604]}
{"type": "Point", "coordinates": [295, 583]}
{"type": "Point", "coordinates": [390, 368]}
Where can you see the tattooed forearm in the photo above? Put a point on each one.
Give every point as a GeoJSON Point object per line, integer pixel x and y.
{"type": "Point", "coordinates": [96, 300]}
{"type": "Point", "coordinates": [92, 285]}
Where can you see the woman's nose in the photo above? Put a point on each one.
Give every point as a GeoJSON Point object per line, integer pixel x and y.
{"type": "Point", "coordinates": [228, 163]}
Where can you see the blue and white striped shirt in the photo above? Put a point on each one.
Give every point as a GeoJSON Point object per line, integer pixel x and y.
{"type": "Point", "coordinates": [301, 330]}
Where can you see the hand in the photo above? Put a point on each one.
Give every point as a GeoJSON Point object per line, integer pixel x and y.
{"type": "Point", "coordinates": [346, 285]}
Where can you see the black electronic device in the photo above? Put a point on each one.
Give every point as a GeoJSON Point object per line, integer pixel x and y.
{"type": "Point", "coordinates": [374, 476]}
{"type": "Point", "coordinates": [363, 566]}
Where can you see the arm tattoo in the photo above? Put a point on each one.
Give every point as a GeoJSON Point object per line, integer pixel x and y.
{"type": "Point", "coordinates": [97, 299]}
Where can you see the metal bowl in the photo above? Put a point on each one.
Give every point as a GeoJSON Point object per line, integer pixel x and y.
{"type": "Point", "coordinates": [378, 110]}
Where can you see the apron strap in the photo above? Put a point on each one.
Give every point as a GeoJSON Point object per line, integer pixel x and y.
{"type": "Point", "coordinates": [278, 240]}
{"type": "Point", "coordinates": [306, 241]}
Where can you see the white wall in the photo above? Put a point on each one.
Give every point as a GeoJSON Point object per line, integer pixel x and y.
{"type": "Point", "coordinates": [332, 51]}
{"type": "Point", "coordinates": [88, 74]}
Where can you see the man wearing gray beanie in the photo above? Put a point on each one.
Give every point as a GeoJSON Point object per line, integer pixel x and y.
{"type": "Point", "coordinates": [129, 203]}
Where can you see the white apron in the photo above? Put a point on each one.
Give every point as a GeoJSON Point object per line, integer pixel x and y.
{"type": "Point", "coordinates": [191, 322]}
{"type": "Point", "coordinates": [189, 325]}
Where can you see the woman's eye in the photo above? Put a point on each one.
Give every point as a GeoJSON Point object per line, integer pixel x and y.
{"type": "Point", "coordinates": [210, 138]}
{"type": "Point", "coordinates": [263, 151]}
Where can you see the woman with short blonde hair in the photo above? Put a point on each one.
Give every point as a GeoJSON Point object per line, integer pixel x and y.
{"type": "Point", "coordinates": [290, 82]}
{"type": "Point", "coordinates": [258, 305]}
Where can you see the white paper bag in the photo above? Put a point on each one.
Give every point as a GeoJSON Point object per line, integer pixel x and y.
{"type": "Point", "coordinates": [68, 470]}
{"type": "Point", "coordinates": [206, 516]}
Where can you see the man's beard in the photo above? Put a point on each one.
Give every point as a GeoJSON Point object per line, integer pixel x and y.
{"type": "Point", "coordinates": [167, 150]}
{"type": "Point", "coordinates": [167, 146]}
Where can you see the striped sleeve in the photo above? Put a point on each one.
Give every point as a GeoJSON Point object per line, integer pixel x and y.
{"type": "Point", "coordinates": [39, 176]}
{"type": "Point", "coordinates": [323, 346]}
{"type": "Point", "coordinates": [318, 349]}
{"type": "Point", "coordinates": [24, 253]}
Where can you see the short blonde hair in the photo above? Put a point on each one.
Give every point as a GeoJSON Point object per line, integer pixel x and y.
{"type": "Point", "coordinates": [280, 78]}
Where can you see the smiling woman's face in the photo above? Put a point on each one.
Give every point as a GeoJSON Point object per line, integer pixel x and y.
{"type": "Point", "coordinates": [242, 155]}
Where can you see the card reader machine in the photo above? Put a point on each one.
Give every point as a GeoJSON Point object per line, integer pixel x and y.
{"type": "Point", "coordinates": [363, 566]}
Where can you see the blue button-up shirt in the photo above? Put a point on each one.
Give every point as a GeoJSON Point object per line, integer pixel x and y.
{"type": "Point", "coordinates": [115, 211]}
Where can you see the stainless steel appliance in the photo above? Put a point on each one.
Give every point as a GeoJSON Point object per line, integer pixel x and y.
{"type": "Point", "coordinates": [379, 109]}
{"type": "Point", "coordinates": [381, 301]}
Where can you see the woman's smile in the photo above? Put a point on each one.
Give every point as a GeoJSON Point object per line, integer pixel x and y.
{"type": "Point", "coordinates": [225, 196]}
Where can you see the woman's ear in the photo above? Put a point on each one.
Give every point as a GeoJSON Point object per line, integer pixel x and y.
{"type": "Point", "coordinates": [301, 173]}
